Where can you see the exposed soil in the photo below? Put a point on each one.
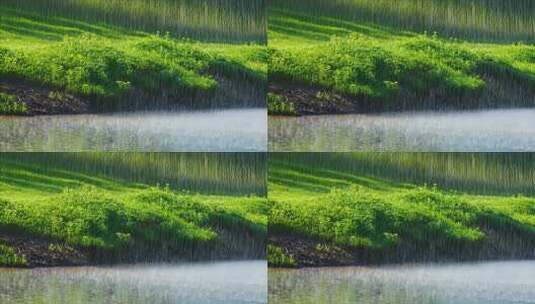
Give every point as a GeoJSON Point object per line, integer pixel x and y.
{"type": "Point", "coordinates": [45, 101]}
{"type": "Point", "coordinates": [40, 101]}
{"type": "Point", "coordinates": [499, 92]}
{"type": "Point", "coordinates": [41, 252]}
{"type": "Point", "coordinates": [45, 253]}
{"type": "Point", "coordinates": [501, 244]}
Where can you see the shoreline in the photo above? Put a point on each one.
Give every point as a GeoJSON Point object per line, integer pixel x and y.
{"type": "Point", "coordinates": [300, 100]}
{"type": "Point", "coordinates": [304, 252]}
{"type": "Point", "coordinates": [40, 252]}
{"type": "Point", "coordinates": [34, 100]}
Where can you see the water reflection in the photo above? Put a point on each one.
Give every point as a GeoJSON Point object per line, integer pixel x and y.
{"type": "Point", "coordinates": [476, 131]}
{"type": "Point", "coordinates": [223, 282]}
{"type": "Point", "coordinates": [479, 283]}
{"type": "Point", "coordinates": [227, 130]}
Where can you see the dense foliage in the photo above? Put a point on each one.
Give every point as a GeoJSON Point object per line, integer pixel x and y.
{"type": "Point", "coordinates": [8, 257]}
{"type": "Point", "coordinates": [116, 218]}
{"type": "Point", "coordinates": [359, 217]}
{"type": "Point", "coordinates": [372, 63]}
{"type": "Point", "coordinates": [367, 210]}
{"type": "Point", "coordinates": [10, 106]}
{"type": "Point", "coordinates": [105, 64]}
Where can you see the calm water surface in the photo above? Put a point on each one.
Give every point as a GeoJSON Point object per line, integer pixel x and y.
{"type": "Point", "coordinates": [468, 131]}
{"type": "Point", "coordinates": [238, 130]}
{"type": "Point", "coordinates": [199, 283]}
{"type": "Point", "coordinates": [481, 283]}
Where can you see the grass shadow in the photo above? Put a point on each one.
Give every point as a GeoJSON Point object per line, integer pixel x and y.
{"type": "Point", "coordinates": [32, 25]}
{"type": "Point", "coordinates": [324, 28]}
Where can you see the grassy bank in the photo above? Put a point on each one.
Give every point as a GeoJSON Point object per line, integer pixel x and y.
{"type": "Point", "coordinates": [325, 217]}
{"type": "Point", "coordinates": [53, 65]}
{"type": "Point", "coordinates": [322, 64]}
{"type": "Point", "coordinates": [56, 216]}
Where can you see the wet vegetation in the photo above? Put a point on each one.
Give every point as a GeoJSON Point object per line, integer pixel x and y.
{"type": "Point", "coordinates": [55, 210]}
{"type": "Point", "coordinates": [209, 20]}
{"type": "Point", "coordinates": [10, 106]}
{"type": "Point", "coordinates": [73, 48]}
{"type": "Point", "coordinates": [482, 20]}
{"type": "Point", "coordinates": [9, 257]}
{"type": "Point", "coordinates": [327, 211]}
{"type": "Point", "coordinates": [277, 105]}
{"type": "Point", "coordinates": [323, 63]}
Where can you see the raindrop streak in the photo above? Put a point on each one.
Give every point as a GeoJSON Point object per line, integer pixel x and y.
{"type": "Point", "coordinates": [239, 130]}
{"type": "Point", "coordinates": [220, 282]}
{"type": "Point", "coordinates": [216, 173]}
{"type": "Point", "coordinates": [470, 131]}
{"type": "Point", "coordinates": [470, 283]}
{"type": "Point", "coordinates": [481, 20]}
{"type": "Point", "coordinates": [232, 21]}
{"type": "Point", "coordinates": [476, 173]}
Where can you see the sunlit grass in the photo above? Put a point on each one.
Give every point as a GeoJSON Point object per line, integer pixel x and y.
{"type": "Point", "coordinates": [223, 21]}
{"type": "Point", "coordinates": [374, 63]}
{"type": "Point", "coordinates": [365, 206]}
{"type": "Point", "coordinates": [499, 21]}
{"type": "Point", "coordinates": [105, 63]}
{"type": "Point", "coordinates": [113, 208]}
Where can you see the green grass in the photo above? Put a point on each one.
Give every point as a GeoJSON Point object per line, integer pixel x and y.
{"type": "Point", "coordinates": [360, 211]}
{"type": "Point", "coordinates": [277, 257]}
{"type": "Point", "coordinates": [231, 174]}
{"type": "Point", "coordinates": [378, 64]}
{"type": "Point", "coordinates": [277, 105]}
{"type": "Point", "coordinates": [114, 216]}
{"type": "Point", "coordinates": [500, 21]}
{"type": "Point", "coordinates": [237, 21]}
{"type": "Point", "coordinates": [105, 63]}
{"type": "Point", "coordinates": [8, 257]}
{"type": "Point", "coordinates": [498, 174]}
{"type": "Point", "coordinates": [10, 106]}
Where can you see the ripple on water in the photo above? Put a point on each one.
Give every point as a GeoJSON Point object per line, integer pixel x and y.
{"type": "Point", "coordinates": [471, 283]}
{"type": "Point", "coordinates": [199, 283]}
{"type": "Point", "coordinates": [474, 131]}
{"type": "Point", "coordinates": [239, 130]}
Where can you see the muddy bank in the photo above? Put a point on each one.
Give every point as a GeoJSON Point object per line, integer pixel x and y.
{"type": "Point", "coordinates": [43, 252]}
{"type": "Point", "coordinates": [499, 92]}
{"type": "Point", "coordinates": [230, 93]}
{"type": "Point", "coordinates": [504, 243]}
{"type": "Point", "coordinates": [41, 101]}
{"type": "Point", "coordinates": [40, 252]}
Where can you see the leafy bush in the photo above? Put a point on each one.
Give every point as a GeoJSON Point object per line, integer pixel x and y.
{"type": "Point", "coordinates": [359, 217]}
{"type": "Point", "coordinates": [277, 257]}
{"type": "Point", "coordinates": [105, 70]}
{"type": "Point", "coordinates": [9, 258]}
{"type": "Point", "coordinates": [278, 106]}
{"type": "Point", "coordinates": [89, 217]}
{"type": "Point", "coordinates": [10, 106]}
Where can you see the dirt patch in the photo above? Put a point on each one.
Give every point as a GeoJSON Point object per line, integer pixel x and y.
{"type": "Point", "coordinates": [504, 243]}
{"type": "Point", "coordinates": [41, 101]}
{"type": "Point", "coordinates": [498, 93]}
{"type": "Point", "coordinates": [45, 253]}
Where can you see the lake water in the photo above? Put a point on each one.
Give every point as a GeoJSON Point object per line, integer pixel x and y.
{"type": "Point", "coordinates": [221, 282]}
{"type": "Point", "coordinates": [238, 130]}
{"type": "Point", "coordinates": [474, 131]}
{"type": "Point", "coordinates": [474, 283]}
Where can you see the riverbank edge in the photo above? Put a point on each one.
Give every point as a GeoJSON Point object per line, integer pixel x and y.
{"type": "Point", "coordinates": [292, 251]}
{"type": "Point", "coordinates": [293, 99]}
{"type": "Point", "coordinates": [38, 251]}
{"type": "Point", "coordinates": [39, 100]}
